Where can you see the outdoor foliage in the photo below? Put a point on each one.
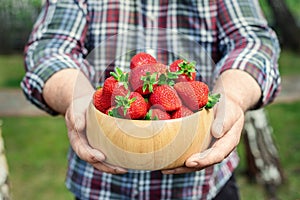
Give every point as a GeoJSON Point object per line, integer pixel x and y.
{"type": "Point", "coordinates": [17, 18]}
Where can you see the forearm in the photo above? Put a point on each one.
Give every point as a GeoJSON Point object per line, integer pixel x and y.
{"type": "Point", "coordinates": [65, 86]}
{"type": "Point", "coordinates": [55, 44]}
{"type": "Point", "coordinates": [247, 43]}
{"type": "Point", "coordinates": [240, 87]}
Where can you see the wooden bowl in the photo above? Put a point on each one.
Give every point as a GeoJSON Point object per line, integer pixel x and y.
{"type": "Point", "coordinates": [148, 144]}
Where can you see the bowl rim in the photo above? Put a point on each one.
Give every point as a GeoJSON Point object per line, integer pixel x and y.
{"type": "Point", "coordinates": [150, 120]}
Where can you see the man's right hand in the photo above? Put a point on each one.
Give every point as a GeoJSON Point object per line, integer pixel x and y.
{"type": "Point", "coordinates": [69, 92]}
{"type": "Point", "coordinates": [76, 125]}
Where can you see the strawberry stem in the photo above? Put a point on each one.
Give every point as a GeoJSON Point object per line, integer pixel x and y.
{"type": "Point", "coordinates": [149, 116]}
{"type": "Point", "coordinates": [148, 81]}
{"type": "Point", "coordinates": [168, 79]}
{"type": "Point", "coordinates": [212, 100]}
{"type": "Point", "coordinates": [117, 73]}
{"type": "Point", "coordinates": [120, 76]}
{"type": "Point", "coordinates": [187, 68]}
{"type": "Point", "coordinates": [114, 113]}
{"type": "Point", "coordinates": [124, 102]}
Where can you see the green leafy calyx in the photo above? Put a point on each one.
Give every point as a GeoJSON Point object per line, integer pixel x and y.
{"type": "Point", "coordinates": [148, 81]}
{"type": "Point", "coordinates": [187, 68]}
{"type": "Point", "coordinates": [124, 102]}
{"type": "Point", "coordinates": [120, 76]}
{"type": "Point", "coordinates": [212, 100]}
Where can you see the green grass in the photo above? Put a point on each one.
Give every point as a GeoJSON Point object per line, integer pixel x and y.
{"type": "Point", "coordinates": [293, 5]}
{"type": "Point", "coordinates": [36, 149]}
{"type": "Point", "coordinates": [11, 70]}
{"type": "Point", "coordinates": [284, 119]}
{"type": "Point", "coordinates": [285, 122]}
{"type": "Point", "coordinates": [289, 63]}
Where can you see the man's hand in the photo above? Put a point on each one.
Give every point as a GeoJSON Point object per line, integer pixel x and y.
{"type": "Point", "coordinates": [76, 124]}
{"type": "Point", "coordinates": [69, 92]}
{"type": "Point", "coordinates": [226, 129]}
{"type": "Point", "coordinates": [239, 92]}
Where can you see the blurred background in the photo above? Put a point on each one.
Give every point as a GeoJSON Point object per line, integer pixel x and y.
{"type": "Point", "coordinates": [33, 147]}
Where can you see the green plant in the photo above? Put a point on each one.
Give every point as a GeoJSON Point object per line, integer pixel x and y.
{"type": "Point", "coordinates": [36, 149]}
{"type": "Point", "coordinates": [284, 119]}
{"type": "Point", "coordinates": [11, 71]}
{"type": "Point", "coordinates": [17, 18]}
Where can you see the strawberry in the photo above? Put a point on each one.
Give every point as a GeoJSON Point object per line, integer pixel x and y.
{"type": "Point", "coordinates": [194, 94]}
{"type": "Point", "coordinates": [109, 85]}
{"type": "Point", "coordinates": [165, 96]}
{"type": "Point", "coordinates": [131, 106]}
{"type": "Point", "coordinates": [101, 102]}
{"type": "Point", "coordinates": [119, 90]}
{"type": "Point", "coordinates": [186, 70]}
{"type": "Point", "coordinates": [141, 59]}
{"type": "Point", "coordinates": [148, 103]}
{"type": "Point", "coordinates": [157, 114]}
{"type": "Point", "coordinates": [144, 78]}
{"type": "Point", "coordinates": [116, 84]}
{"type": "Point", "coordinates": [181, 112]}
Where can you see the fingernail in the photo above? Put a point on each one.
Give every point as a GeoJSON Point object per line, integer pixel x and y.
{"type": "Point", "coordinates": [121, 171]}
{"type": "Point", "coordinates": [98, 156]}
{"type": "Point", "coordinates": [193, 164]}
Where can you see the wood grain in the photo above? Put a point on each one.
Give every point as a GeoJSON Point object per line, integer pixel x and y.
{"type": "Point", "coordinates": [148, 144]}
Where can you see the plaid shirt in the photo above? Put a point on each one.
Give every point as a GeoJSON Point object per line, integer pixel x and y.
{"type": "Point", "coordinates": [233, 33]}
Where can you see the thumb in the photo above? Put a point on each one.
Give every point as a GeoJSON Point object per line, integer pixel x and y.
{"type": "Point", "coordinates": [79, 122]}
{"type": "Point", "coordinates": [76, 124]}
{"type": "Point", "coordinates": [226, 115]}
{"type": "Point", "coordinates": [217, 127]}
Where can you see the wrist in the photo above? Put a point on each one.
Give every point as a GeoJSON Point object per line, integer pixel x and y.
{"type": "Point", "coordinates": [239, 87]}
{"type": "Point", "coordinates": [63, 87]}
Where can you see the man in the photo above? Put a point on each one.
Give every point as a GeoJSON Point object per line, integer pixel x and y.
{"type": "Point", "coordinates": [233, 33]}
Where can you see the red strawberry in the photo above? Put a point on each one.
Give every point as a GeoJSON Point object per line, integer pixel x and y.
{"type": "Point", "coordinates": [119, 90]}
{"type": "Point", "coordinates": [165, 96]}
{"type": "Point", "coordinates": [158, 114]}
{"type": "Point", "coordinates": [181, 112]}
{"type": "Point", "coordinates": [116, 84]}
{"type": "Point", "coordinates": [148, 103]}
{"type": "Point", "coordinates": [144, 78]}
{"type": "Point", "coordinates": [109, 85]}
{"type": "Point", "coordinates": [186, 70]}
{"type": "Point", "coordinates": [132, 106]}
{"type": "Point", "coordinates": [141, 59]}
{"type": "Point", "coordinates": [194, 94]}
{"type": "Point", "coordinates": [101, 102]}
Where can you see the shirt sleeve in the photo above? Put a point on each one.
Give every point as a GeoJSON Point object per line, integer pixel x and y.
{"type": "Point", "coordinates": [248, 43]}
{"type": "Point", "coordinates": [56, 43]}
